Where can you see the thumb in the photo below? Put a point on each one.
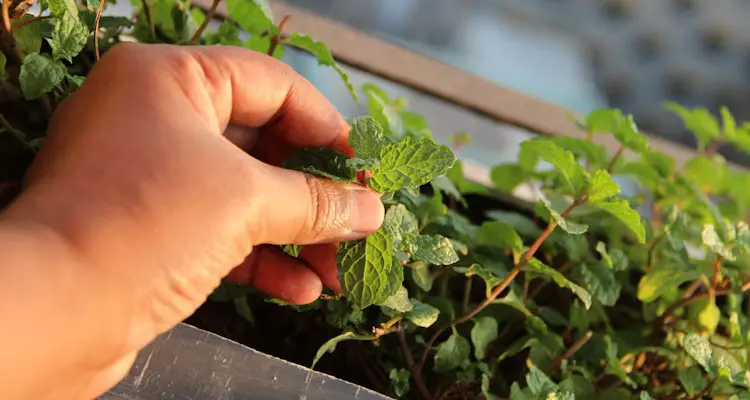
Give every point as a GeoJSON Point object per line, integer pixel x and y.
{"type": "Point", "coordinates": [299, 208]}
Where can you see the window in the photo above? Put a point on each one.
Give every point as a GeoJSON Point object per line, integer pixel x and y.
{"type": "Point", "coordinates": [714, 41]}
{"type": "Point", "coordinates": [647, 47]}
{"type": "Point", "coordinates": [616, 10]}
{"type": "Point", "coordinates": [679, 86]}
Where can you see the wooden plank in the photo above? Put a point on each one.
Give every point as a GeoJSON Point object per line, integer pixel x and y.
{"type": "Point", "coordinates": [435, 78]}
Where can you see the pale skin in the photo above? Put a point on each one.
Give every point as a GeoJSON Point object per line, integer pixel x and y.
{"type": "Point", "coordinates": [159, 178]}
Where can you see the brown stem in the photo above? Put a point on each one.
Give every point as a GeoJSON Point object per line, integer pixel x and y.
{"type": "Point", "coordinates": [685, 301]}
{"type": "Point", "coordinates": [275, 38]}
{"type": "Point", "coordinates": [569, 353]}
{"type": "Point", "coordinates": [715, 280]}
{"type": "Point", "coordinates": [6, 16]}
{"type": "Point", "coordinates": [705, 390]}
{"type": "Point", "coordinates": [209, 18]}
{"type": "Point", "coordinates": [99, 11]}
{"type": "Point", "coordinates": [410, 363]}
{"type": "Point", "coordinates": [31, 21]}
{"type": "Point", "coordinates": [713, 148]}
{"type": "Point", "coordinates": [528, 256]}
{"type": "Point", "coordinates": [614, 159]}
{"type": "Point", "coordinates": [563, 270]}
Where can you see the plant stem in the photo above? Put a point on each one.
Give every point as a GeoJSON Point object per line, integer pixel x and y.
{"type": "Point", "coordinates": [31, 21]}
{"type": "Point", "coordinates": [528, 256]}
{"type": "Point", "coordinates": [275, 38]}
{"type": "Point", "coordinates": [99, 12]}
{"type": "Point", "coordinates": [715, 280]}
{"type": "Point", "coordinates": [6, 16]}
{"type": "Point", "coordinates": [614, 159]}
{"type": "Point", "coordinates": [569, 353]}
{"type": "Point", "coordinates": [209, 17]}
{"type": "Point", "coordinates": [410, 363]}
{"type": "Point", "coordinates": [685, 301]}
{"type": "Point", "coordinates": [150, 19]}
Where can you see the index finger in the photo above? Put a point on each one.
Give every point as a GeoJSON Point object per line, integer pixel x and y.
{"type": "Point", "coordinates": [267, 93]}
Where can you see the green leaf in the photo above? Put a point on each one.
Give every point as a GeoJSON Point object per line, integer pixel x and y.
{"type": "Point", "coordinates": [452, 353]}
{"type": "Point", "coordinates": [710, 174]}
{"type": "Point", "coordinates": [68, 38]}
{"type": "Point", "coordinates": [728, 123]}
{"type": "Point", "coordinates": [380, 107]}
{"type": "Point", "coordinates": [59, 8]}
{"type": "Point", "coordinates": [228, 34]}
{"type": "Point", "coordinates": [628, 135]}
{"type": "Point", "coordinates": [616, 261]}
{"type": "Point", "coordinates": [482, 334]}
{"type": "Point", "coordinates": [500, 234]}
{"type": "Point", "coordinates": [366, 137]}
{"type": "Point", "coordinates": [414, 123]}
{"type": "Point", "coordinates": [489, 277]}
{"type": "Point", "coordinates": [705, 313]}
{"type": "Point", "coordinates": [39, 75]}
{"type": "Point", "coordinates": [330, 345]}
{"type": "Point", "coordinates": [620, 209]}
{"type": "Point", "coordinates": [645, 396]}
{"type": "Point", "coordinates": [400, 379]}
{"type": "Point", "coordinates": [544, 209]}
{"type": "Point", "coordinates": [411, 162]}
{"type": "Point", "coordinates": [292, 249]}
{"type": "Point", "coordinates": [323, 162]}
{"type": "Point", "coordinates": [601, 283]}
{"type": "Point", "coordinates": [711, 239]}
{"type": "Point", "coordinates": [364, 266]}
{"type": "Point", "coordinates": [393, 281]}
{"type": "Point", "coordinates": [535, 266]}
{"type": "Point", "coordinates": [399, 301]}
{"type": "Point", "coordinates": [324, 56]}
{"type": "Point", "coordinates": [700, 121]}
{"type": "Point", "coordinates": [602, 186]}
{"type": "Point", "coordinates": [539, 383]}
{"type": "Point", "coordinates": [253, 16]}
{"type": "Point", "coordinates": [516, 393]}
{"type": "Point", "coordinates": [563, 161]}
{"type": "Point", "coordinates": [580, 386]}
{"type": "Point", "coordinates": [243, 309]}
{"type": "Point", "coordinates": [613, 363]}
{"type": "Point", "coordinates": [445, 185]}
{"type": "Point", "coordinates": [434, 249]}
{"type": "Point", "coordinates": [699, 348]}
{"type": "Point", "coordinates": [422, 314]}
{"type": "Point", "coordinates": [521, 223]}
{"type": "Point", "coordinates": [465, 186]}
{"type": "Point", "coordinates": [603, 120]}
{"type": "Point", "coordinates": [401, 223]}
{"type": "Point", "coordinates": [29, 36]}
{"type": "Point", "coordinates": [691, 379]}
{"type": "Point", "coordinates": [595, 153]}
{"type": "Point", "coordinates": [422, 278]}
{"type": "Point", "coordinates": [658, 282]}
{"type": "Point", "coordinates": [506, 177]}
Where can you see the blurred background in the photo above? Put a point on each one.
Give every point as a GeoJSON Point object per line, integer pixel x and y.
{"type": "Point", "coordinates": [580, 54]}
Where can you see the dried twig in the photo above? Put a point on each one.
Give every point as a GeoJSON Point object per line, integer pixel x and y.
{"type": "Point", "coordinates": [569, 353]}
{"type": "Point", "coordinates": [209, 17]}
{"type": "Point", "coordinates": [99, 12]}
{"type": "Point", "coordinates": [410, 363]}
{"type": "Point", "coordinates": [275, 38]}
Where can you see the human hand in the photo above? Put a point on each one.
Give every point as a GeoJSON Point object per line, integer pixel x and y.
{"type": "Point", "coordinates": [161, 174]}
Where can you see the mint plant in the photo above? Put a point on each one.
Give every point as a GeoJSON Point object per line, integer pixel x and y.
{"type": "Point", "coordinates": [589, 293]}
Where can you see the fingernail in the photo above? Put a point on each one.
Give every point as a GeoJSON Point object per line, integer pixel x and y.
{"type": "Point", "coordinates": [366, 213]}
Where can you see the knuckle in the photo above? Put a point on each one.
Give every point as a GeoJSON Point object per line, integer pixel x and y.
{"type": "Point", "coordinates": [328, 208]}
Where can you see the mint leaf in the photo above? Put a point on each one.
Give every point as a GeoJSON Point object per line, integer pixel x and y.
{"type": "Point", "coordinates": [330, 345]}
{"type": "Point", "coordinates": [68, 38]}
{"type": "Point", "coordinates": [253, 16]}
{"type": "Point", "coordinates": [705, 313]}
{"type": "Point", "coordinates": [364, 266]}
{"type": "Point", "coordinates": [700, 121]}
{"type": "Point", "coordinates": [400, 380]}
{"type": "Point", "coordinates": [613, 363]}
{"type": "Point", "coordinates": [324, 56]}
{"type": "Point", "coordinates": [710, 174]}
{"type": "Point", "coordinates": [401, 223]}
{"type": "Point", "coordinates": [422, 278]}
{"type": "Point", "coordinates": [692, 380]}
{"type": "Point", "coordinates": [422, 314]}
{"type": "Point", "coordinates": [563, 161]}
{"type": "Point", "coordinates": [603, 120]}
{"type": "Point", "coordinates": [500, 234]}
{"type": "Point", "coordinates": [627, 134]}
{"type": "Point", "coordinates": [399, 301]}
{"type": "Point", "coordinates": [506, 177]}
{"type": "Point", "coordinates": [323, 162]}
{"type": "Point", "coordinates": [444, 184]}
{"type": "Point", "coordinates": [601, 282]}
{"type": "Point", "coordinates": [452, 353]}
{"type": "Point", "coordinates": [539, 383]}
{"type": "Point", "coordinates": [434, 249]}
{"type": "Point", "coordinates": [616, 261]}
{"type": "Point", "coordinates": [620, 209]}
{"type": "Point", "coordinates": [228, 34]}
{"type": "Point", "coordinates": [394, 278]}
{"type": "Point", "coordinates": [699, 348]}
{"type": "Point", "coordinates": [595, 153]}
{"type": "Point", "coordinates": [59, 8]}
{"type": "Point", "coordinates": [380, 107]}
{"type": "Point", "coordinates": [465, 186]}
{"type": "Point", "coordinates": [366, 137]}
{"type": "Point", "coordinates": [660, 281]}
{"type": "Point", "coordinates": [411, 162]}
{"type": "Point", "coordinates": [29, 36]}
{"type": "Point", "coordinates": [516, 393]}
{"type": "Point", "coordinates": [39, 75]}
{"type": "Point", "coordinates": [602, 186]}
{"type": "Point", "coordinates": [521, 223]}
{"type": "Point", "coordinates": [490, 278]}
{"type": "Point", "coordinates": [536, 267]}
{"type": "Point", "coordinates": [544, 209]}
{"type": "Point", "coordinates": [482, 334]}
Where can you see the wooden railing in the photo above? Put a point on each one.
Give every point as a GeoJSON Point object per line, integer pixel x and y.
{"type": "Point", "coordinates": [395, 63]}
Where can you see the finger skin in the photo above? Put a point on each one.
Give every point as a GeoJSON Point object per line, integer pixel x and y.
{"type": "Point", "coordinates": [321, 258]}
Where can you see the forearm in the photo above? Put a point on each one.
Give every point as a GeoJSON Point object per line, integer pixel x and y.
{"type": "Point", "coordinates": [53, 315]}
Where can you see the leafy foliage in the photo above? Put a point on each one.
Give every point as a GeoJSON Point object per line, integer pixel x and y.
{"type": "Point", "coordinates": [581, 295]}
